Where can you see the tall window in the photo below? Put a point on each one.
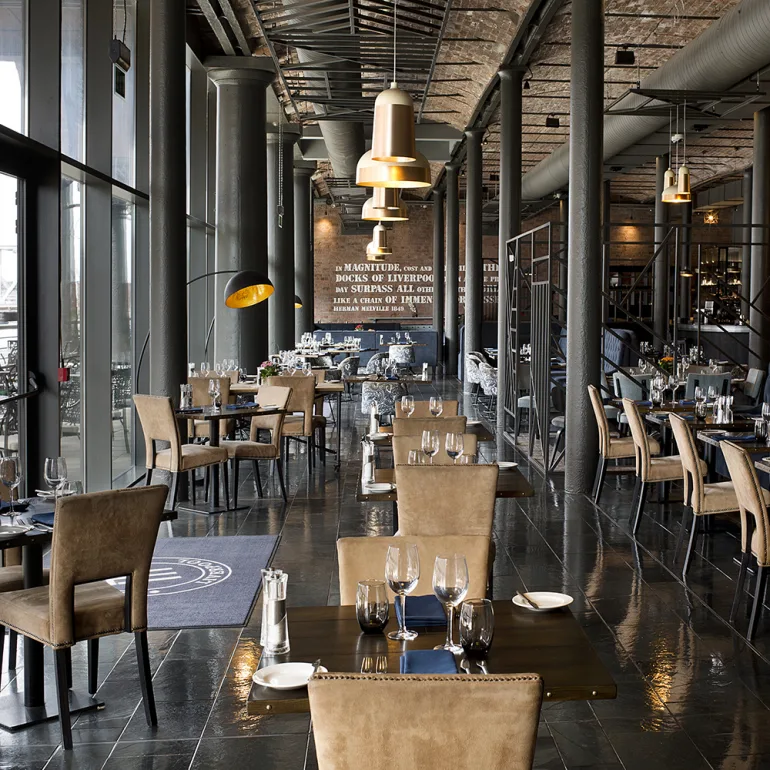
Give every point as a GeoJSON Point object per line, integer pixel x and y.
{"type": "Point", "coordinates": [72, 79]}
{"type": "Point", "coordinates": [70, 405]}
{"type": "Point", "coordinates": [13, 76]}
{"type": "Point", "coordinates": [122, 327]}
{"type": "Point", "coordinates": [123, 95]}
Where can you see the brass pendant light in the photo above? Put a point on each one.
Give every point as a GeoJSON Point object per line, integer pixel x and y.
{"type": "Point", "coordinates": [676, 188]}
{"type": "Point", "coordinates": [378, 247]}
{"type": "Point", "coordinates": [373, 173]}
{"type": "Point", "coordinates": [385, 206]}
{"type": "Point", "coordinates": [393, 133]}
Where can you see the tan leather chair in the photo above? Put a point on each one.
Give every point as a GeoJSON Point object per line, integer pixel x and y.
{"type": "Point", "coordinates": [753, 501]}
{"type": "Point", "coordinates": [361, 558]}
{"type": "Point", "coordinates": [159, 423]}
{"type": "Point", "coordinates": [402, 445]}
{"type": "Point", "coordinates": [201, 397]}
{"type": "Point", "coordinates": [398, 721]}
{"type": "Point", "coordinates": [422, 409]}
{"type": "Point", "coordinates": [256, 450]}
{"type": "Point", "coordinates": [649, 469]}
{"type": "Point", "coordinates": [97, 537]}
{"type": "Point", "coordinates": [307, 424]}
{"type": "Point", "coordinates": [442, 500]}
{"type": "Point", "coordinates": [610, 447]}
{"type": "Point", "coordinates": [414, 426]}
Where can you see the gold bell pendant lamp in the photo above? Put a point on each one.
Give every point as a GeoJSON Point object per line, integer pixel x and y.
{"type": "Point", "coordinates": [374, 173]}
{"type": "Point", "coordinates": [393, 133]}
{"type": "Point", "coordinates": [385, 205]}
{"type": "Point", "coordinates": [378, 247]}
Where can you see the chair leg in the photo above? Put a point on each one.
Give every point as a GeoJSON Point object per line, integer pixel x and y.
{"type": "Point", "coordinates": [739, 584]}
{"type": "Point", "coordinates": [62, 696]}
{"type": "Point", "coordinates": [145, 677]}
{"type": "Point", "coordinates": [601, 470]}
{"type": "Point", "coordinates": [2, 645]}
{"type": "Point", "coordinates": [226, 484]}
{"type": "Point", "coordinates": [322, 444]}
{"type": "Point", "coordinates": [206, 483]}
{"type": "Point", "coordinates": [310, 449]}
{"type": "Point", "coordinates": [639, 507]}
{"type": "Point", "coordinates": [235, 482]}
{"type": "Point", "coordinates": [93, 665]}
{"type": "Point", "coordinates": [279, 468]}
{"type": "Point", "coordinates": [759, 595]}
{"type": "Point", "coordinates": [148, 477]}
{"type": "Point", "coordinates": [68, 656]}
{"type": "Point", "coordinates": [691, 544]}
{"type": "Point", "coordinates": [13, 641]}
{"type": "Point", "coordinates": [257, 479]}
{"type": "Point", "coordinates": [191, 479]}
{"type": "Point", "coordinates": [174, 489]}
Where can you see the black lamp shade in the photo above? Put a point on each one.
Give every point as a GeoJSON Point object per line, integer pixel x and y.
{"type": "Point", "coordinates": [247, 288]}
{"type": "Point", "coordinates": [297, 302]}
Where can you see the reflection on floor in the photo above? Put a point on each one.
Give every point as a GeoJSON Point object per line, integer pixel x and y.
{"type": "Point", "coordinates": [692, 693]}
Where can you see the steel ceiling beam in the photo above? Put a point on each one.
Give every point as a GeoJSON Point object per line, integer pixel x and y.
{"type": "Point", "coordinates": [216, 27]}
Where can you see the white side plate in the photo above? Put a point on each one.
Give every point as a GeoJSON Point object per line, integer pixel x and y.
{"type": "Point", "coordinates": [285, 676]}
{"type": "Point", "coordinates": [546, 600]}
{"type": "Point", "coordinates": [11, 530]}
{"type": "Point", "coordinates": [380, 486]}
{"type": "Point", "coordinates": [506, 466]}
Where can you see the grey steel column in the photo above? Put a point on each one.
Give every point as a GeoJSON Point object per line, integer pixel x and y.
{"type": "Point", "coordinates": [510, 217]}
{"type": "Point", "coordinates": [759, 293]}
{"type": "Point", "coordinates": [748, 182]}
{"type": "Point", "coordinates": [303, 248]}
{"type": "Point", "coordinates": [451, 304]}
{"type": "Point", "coordinates": [438, 273]}
{"type": "Point", "coordinates": [241, 207]}
{"type": "Point", "coordinates": [660, 267]}
{"type": "Point", "coordinates": [564, 246]}
{"type": "Point", "coordinates": [474, 266]}
{"type": "Point", "coordinates": [606, 248]}
{"type": "Point", "coordinates": [684, 283]}
{"type": "Point", "coordinates": [584, 328]}
{"type": "Point", "coordinates": [168, 198]}
{"type": "Point", "coordinates": [280, 237]}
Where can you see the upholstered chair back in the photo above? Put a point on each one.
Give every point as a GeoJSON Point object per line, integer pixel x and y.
{"type": "Point", "coordinates": [601, 420]}
{"type": "Point", "coordinates": [751, 501]}
{"type": "Point", "coordinates": [156, 413]}
{"type": "Point", "coordinates": [372, 716]}
{"type": "Point", "coordinates": [641, 444]}
{"type": "Point", "coordinates": [422, 409]}
{"type": "Point", "coordinates": [302, 396]}
{"type": "Point", "coordinates": [200, 390]}
{"type": "Point", "coordinates": [414, 426]}
{"type": "Point", "coordinates": [691, 466]}
{"type": "Point", "coordinates": [362, 558]}
{"type": "Point", "coordinates": [270, 395]}
{"type": "Point", "coordinates": [100, 536]}
{"type": "Point", "coordinates": [402, 445]}
{"type": "Point", "coordinates": [443, 500]}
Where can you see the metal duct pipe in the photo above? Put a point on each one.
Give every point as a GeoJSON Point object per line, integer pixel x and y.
{"type": "Point", "coordinates": [730, 50]}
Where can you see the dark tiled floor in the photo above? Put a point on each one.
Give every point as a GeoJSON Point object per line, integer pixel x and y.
{"type": "Point", "coordinates": [692, 693]}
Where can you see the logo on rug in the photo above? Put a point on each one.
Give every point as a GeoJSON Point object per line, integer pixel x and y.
{"type": "Point", "coordinates": [179, 574]}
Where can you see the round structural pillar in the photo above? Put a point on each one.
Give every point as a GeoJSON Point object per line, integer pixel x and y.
{"type": "Point", "coordinates": [660, 266]}
{"type": "Point", "coordinates": [759, 292]}
{"type": "Point", "coordinates": [451, 303]}
{"type": "Point", "coordinates": [438, 273]}
{"type": "Point", "coordinates": [474, 265]}
{"type": "Point", "coordinates": [303, 245]}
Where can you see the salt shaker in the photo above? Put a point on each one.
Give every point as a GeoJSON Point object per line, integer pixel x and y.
{"type": "Point", "coordinates": [274, 637]}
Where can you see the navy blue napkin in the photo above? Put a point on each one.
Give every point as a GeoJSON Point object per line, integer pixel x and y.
{"type": "Point", "coordinates": [43, 518]}
{"type": "Point", "coordinates": [643, 403]}
{"type": "Point", "coordinates": [245, 405]}
{"type": "Point", "coordinates": [686, 402]}
{"type": "Point", "coordinates": [192, 410]}
{"type": "Point", "coordinates": [739, 437]}
{"type": "Point", "coordinates": [19, 506]}
{"type": "Point", "coordinates": [422, 612]}
{"type": "Point", "coordinates": [428, 662]}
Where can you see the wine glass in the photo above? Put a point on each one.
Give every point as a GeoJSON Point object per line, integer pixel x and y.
{"type": "Point", "coordinates": [436, 405]}
{"type": "Point", "coordinates": [55, 473]}
{"type": "Point", "coordinates": [700, 394]}
{"type": "Point", "coordinates": [204, 368]}
{"type": "Point", "coordinates": [450, 584]}
{"type": "Point", "coordinates": [766, 410]}
{"type": "Point", "coordinates": [454, 446]}
{"type": "Point", "coordinates": [712, 393]}
{"type": "Point", "coordinates": [10, 475]}
{"type": "Point", "coordinates": [477, 628]}
{"type": "Point", "coordinates": [402, 571]}
{"type": "Point", "coordinates": [642, 365]}
{"type": "Point", "coordinates": [407, 405]}
{"type": "Point", "coordinates": [430, 443]}
{"type": "Point", "coordinates": [713, 365]}
{"type": "Point", "coordinates": [214, 393]}
{"type": "Point", "coordinates": [673, 384]}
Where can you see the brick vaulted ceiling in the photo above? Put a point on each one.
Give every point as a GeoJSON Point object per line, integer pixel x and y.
{"type": "Point", "coordinates": [451, 51]}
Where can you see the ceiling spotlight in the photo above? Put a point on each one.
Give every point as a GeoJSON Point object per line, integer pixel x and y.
{"type": "Point", "coordinates": [687, 272]}
{"type": "Point", "coordinates": [624, 57]}
{"type": "Point", "coordinates": [711, 218]}
{"type": "Point", "coordinates": [552, 121]}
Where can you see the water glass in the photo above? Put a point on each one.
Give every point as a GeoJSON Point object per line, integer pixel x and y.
{"type": "Point", "coordinates": [214, 393]}
{"type": "Point", "coordinates": [477, 627]}
{"type": "Point", "coordinates": [712, 393]}
{"type": "Point", "coordinates": [454, 445]}
{"type": "Point", "coordinates": [642, 365]}
{"type": "Point", "coordinates": [760, 429]}
{"type": "Point", "coordinates": [450, 584]}
{"type": "Point", "coordinates": [205, 368]}
{"type": "Point", "coordinates": [700, 395]}
{"type": "Point", "coordinates": [407, 405]}
{"type": "Point", "coordinates": [414, 458]}
{"type": "Point", "coordinates": [436, 405]}
{"type": "Point", "coordinates": [766, 411]}
{"type": "Point", "coordinates": [10, 476]}
{"type": "Point", "coordinates": [55, 473]}
{"type": "Point", "coordinates": [372, 606]}
{"type": "Point", "coordinates": [402, 571]}
{"type": "Point", "coordinates": [430, 443]}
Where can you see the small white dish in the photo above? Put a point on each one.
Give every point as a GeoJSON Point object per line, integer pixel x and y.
{"type": "Point", "coordinates": [11, 530]}
{"type": "Point", "coordinates": [45, 494]}
{"type": "Point", "coordinates": [507, 466]}
{"type": "Point", "coordinates": [546, 600]}
{"type": "Point", "coordinates": [285, 676]}
{"type": "Point", "coordinates": [379, 436]}
{"type": "Point", "coordinates": [380, 486]}
{"type": "Point", "coordinates": [473, 422]}
{"type": "Point", "coordinates": [766, 459]}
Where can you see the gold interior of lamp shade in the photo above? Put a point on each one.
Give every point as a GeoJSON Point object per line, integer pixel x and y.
{"type": "Point", "coordinates": [297, 302]}
{"type": "Point", "coordinates": [373, 173]}
{"type": "Point", "coordinates": [247, 288]}
{"type": "Point", "coordinates": [385, 205]}
{"type": "Point", "coordinates": [393, 133]}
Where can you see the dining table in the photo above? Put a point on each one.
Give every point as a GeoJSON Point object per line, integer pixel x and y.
{"type": "Point", "coordinates": [477, 429]}
{"type": "Point", "coordinates": [551, 644]}
{"type": "Point", "coordinates": [213, 417]}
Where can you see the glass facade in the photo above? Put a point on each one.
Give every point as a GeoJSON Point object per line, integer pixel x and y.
{"type": "Point", "coordinates": [72, 79]}
{"type": "Point", "coordinates": [9, 312]}
{"type": "Point", "coordinates": [13, 64]}
{"type": "Point", "coordinates": [124, 96]}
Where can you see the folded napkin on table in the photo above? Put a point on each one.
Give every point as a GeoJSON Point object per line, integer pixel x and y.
{"type": "Point", "coordinates": [422, 612]}
{"type": "Point", "coordinates": [244, 405]}
{"type": "Point", "coordinates": [428, 662]}
{"type": "Point", "coordinates": [18, 506]}
{"type": "Point", "coordinates": [43, 518]}
{"type": "Point", "coordinates": [686, 402]}
{"type": "Point", "coordinates": [739, 437]}
{"type": "Point", "coordinates": [192, 409]}
{"type": "Point", "coordinates": [643, 403]}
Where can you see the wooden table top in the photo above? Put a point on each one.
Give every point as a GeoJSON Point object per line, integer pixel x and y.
{"type": "Point", "coordinates": [479, 430]}
{"type": "Point", "coordinates": [252, 388]}
{"type": "Point", "coordinates": [510, 483]}
{"type": "Point", "coordinates": [750, 446]}
{"type": "Point", "coordinates": [661, 418]}
{"type": "Point", "coordinates": [225, 413]}
{"type": "Point", "coordinates": [551, 644]}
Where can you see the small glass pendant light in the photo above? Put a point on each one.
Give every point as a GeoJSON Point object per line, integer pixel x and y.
{"type": "Point", "coordinates": [378, 246]}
